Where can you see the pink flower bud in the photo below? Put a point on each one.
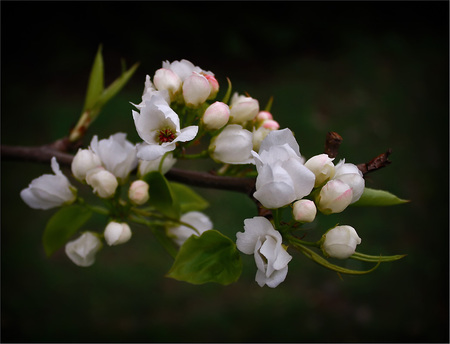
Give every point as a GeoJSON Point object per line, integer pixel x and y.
{"type": "Point", "coordinates": [263, 116]}
{"type": "Point", "coordinates": [304, 210]}
{"type": "Point", "coordinates": [138, 192]}
{"type": "Point", "coordinates": [196, 89]}
{"type": "Point", "coordinates": [271, 124]}
{"type": "Point", "coordinates": [214, 85]}
{"type": "Point", "coordinates": [216, 115]}
{"type": "Point", "coordinates": [334, 197]}
{"type": "Point", "coordinates": [165, 79]}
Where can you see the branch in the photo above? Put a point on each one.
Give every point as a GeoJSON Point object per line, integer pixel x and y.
{"type": "Point", "coordinates": [376, 163]}
{"type": "Point", "coordinates": [332, 142]}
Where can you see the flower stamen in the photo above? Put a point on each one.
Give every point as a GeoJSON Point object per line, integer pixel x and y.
{"type": "Point", "coordinates": [166, 135]}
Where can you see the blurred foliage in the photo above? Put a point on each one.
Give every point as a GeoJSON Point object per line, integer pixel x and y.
{"type": "Point", "coordinates": [376, 73]}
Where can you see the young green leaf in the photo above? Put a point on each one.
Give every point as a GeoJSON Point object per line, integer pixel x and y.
{"type": "Point", "coordinates": [188, 199]}
{"type": "Point", "coordinates": [372, 197]}
{"type": "Point", "coordinates": [161, 195]}
{"type": "Point", "coordinates": [62, 225]}
{"type": "Point", "coordinates": [96, 80]}
{"type": "Point", "coordinates": [211, 257]}
{"type": "Point", "coordinates": [227, 95]}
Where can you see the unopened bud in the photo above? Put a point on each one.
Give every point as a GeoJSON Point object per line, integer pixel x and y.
{"type": "Point", "coordinates": [165, 79]}
{"type": "Point", "coordinates": [340, 242]}
{"type": "Point", "coordinates": [304, 210]}
{"type": "Point", "coordinates": [103, 182]}
{"type": "Point", "coordinates": [196, 89]}
{"type": "Point", "coordinates": [83, 161]}
{"type": "Point", "coordinates": [271, 124]}
{"type": "Point", "coordinates": [138, 192]}
{"type": "Point", "coordinates": [216, 115]}
{"type": "Point", "coordinates": [243, 109]}
{"type": "Point", "coordinates": [117, 233]}
{"type": "Point", "coordinates": [334, 197]}
{"type": "Point", "coordinates": [214, 86]}
{"type": "Point", "coordinates": [322, 166]}
{"type": "Point", "coordinates": [263, 116]}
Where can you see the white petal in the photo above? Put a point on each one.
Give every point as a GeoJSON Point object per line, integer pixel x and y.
{"type": "Point", "coordinates": [278, 138]}
{"type": "Point", "coordinates": [254, 228]}
{"type": "Point", "coordinates": [277, 277]}
{"type": "Point", "coordinates": [187, 134]}
{"type": "Point", "coordinates": [152, 152]}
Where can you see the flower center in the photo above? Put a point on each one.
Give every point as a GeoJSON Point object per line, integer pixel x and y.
{"type": "Point", "coordinates": [166, 135]}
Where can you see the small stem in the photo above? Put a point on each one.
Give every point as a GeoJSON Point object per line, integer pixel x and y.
{"type": "Point", "coordinates": [296, 241]}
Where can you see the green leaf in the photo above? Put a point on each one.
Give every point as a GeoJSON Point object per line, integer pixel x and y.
{"type": "Point", "coordinates": [211, 257]}
{"type": "Point", "coordinates": [160, 233]}
{"type": "Point", "coordinates": [161, 195]}
{"type": "Point", "coordinates": [96, 80]}
{"type": "Point", "coordinates": [188, 199]}
{"type": "Point", "coordinates": [62, 225]}
{"type": "Point", "coordinates": [226, 98]}
{"type": "Point", "coordinates": [269, 104]}
{"type": "Point", "coordinates": [372, 197]}
{"type": "Point", "coordinates": [374, 259]}
{"type": "Point", "coordinates": [325, 263]}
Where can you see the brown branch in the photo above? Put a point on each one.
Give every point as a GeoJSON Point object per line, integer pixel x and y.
{"type": "Point", "coordinates": [376, 163]}
{"type": "Point", "coordinates": [332, 142]}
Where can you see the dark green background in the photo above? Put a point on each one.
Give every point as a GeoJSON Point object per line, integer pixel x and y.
{"type": "Point", "coordinates": [377, 73]}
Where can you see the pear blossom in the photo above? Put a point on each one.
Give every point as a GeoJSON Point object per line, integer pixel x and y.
{"type": "Point", "coordinates": [116, 153]}
{"type": "Point", "coordinates": [196, 219]}
{"type": "Point", "coordinates": [233, 145]}
{"type": "Point", "coordinates": [196, 89]}
{"type": "Point", "coordinates": [138, 192]}
{"type": "Point", "coordinates": [352, 176]}
{"type": "Point", "coordinates": [82, 250]}
{"type": "Point", "coordinates": [265, 243]}
{"type": "Point", "coordinates": [83, 161]}
{"type": "Point", "coordinates": [166, 79]}
{"type": "Point", "coordinates": [334, 197]}
{"type": "Point", "coordinates": [216, 116]}
{"type": "Point", "coordinates": [149, 90]}
{"type": "Point", "coordinates": [184, 68]}
{"type": "Point", "coordinates": [146, 166]}
{"type": "Point", "coordinates": [243, 109]}
{"type": "Point", "coordinates": [117, 233]}
{"type": "Point", "coordinates": [282, 177]}
{"type": "Point", "coordinates": [340, 242]}
{"type": "Point", "coordinates": [304, 210]}
{"type": "Point", "coordinates": [159, 126]}
{"type": "Point", "coordinates": [258, 136]}
{"type": "Point", "coordinates": [322, 166]}
{"type": "Point", "coordinates": [49, 191]}
{"type": "Point", "coordinates": [103, 182]}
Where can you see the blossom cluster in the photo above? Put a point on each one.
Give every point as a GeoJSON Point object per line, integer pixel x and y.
{"type": "Point", "coordinates": [178, 108]}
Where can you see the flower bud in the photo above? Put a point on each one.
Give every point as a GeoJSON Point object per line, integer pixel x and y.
{"type": "Point", "coordinates": [322, 166]}
{"type": "Point", "coordinates": [334, 197]}
{"type": "Point", "coordinates": [196, 89]}
{"type": "Point", "coordinates": [214, 85]}
{"type": "Point", "coordinates": [103, 182]}
{"type": "Point", "coordinates": [165, 79]}
{"type": "Point", "coordinates": [138, 192]}
{"type": "Point", "coordinates": [271, 124]}
{"type": "Point", "coordinates": [82, 250]}
{"type": "Point", "coordinates": [352, 176]}
{"type": "Point", "coordinates": [117, 233]}
{"type": "Point", "coordinates": [304, 210]}
{"type": "Point", "coordinates": [263, 116]}
{"type": "Point", "coordinates": [340, 242]}
{"type": "Point", "coordinates": [233, 145]}
{"type": "Point", "coordinates": [216, 115]}
{"type": "Point", "coordinates": [83, 161]}
{"type": "Point", "coordinates": [243, 109]}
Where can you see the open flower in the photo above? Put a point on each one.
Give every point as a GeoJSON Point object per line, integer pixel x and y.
{"type": "Point", "coordinates": [82, 250]}
{"type": "Point", "coordinates": [265, 243]}
{"type": "Point", "coordinates": [233, 145]}
{"type": "Point", "coordinates": [282, 177]}
{"type": "Point", "coordinates": [196, 219]}
{"type": "Point", "coordinates": [149, 90]}
{"type": "Point", "coordinates": [146, 166]}
{"type": "Point", "coordinates": [49, 191]}
{"type": "Point", "coordinates": [117, 155]}
{"type": "Point", "coordinates": [159, 126]}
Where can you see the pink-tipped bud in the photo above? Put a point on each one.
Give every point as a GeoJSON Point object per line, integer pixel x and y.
{"type": "Point", "coordinates": [271, 124]}
{"type": "Point", "coordinates": [196, 89]}
{"type": "Point", "coordinates": [216, 115]}
{"type": "Point", "coordinates": [334, 197]}
{"type": "Point", "coordinates": [214, 85]}
{"type": "Point", "coordinates": [138, 192]}
{"type": "Point", "coordinates": [304, 210]}
{"type": "Point", "coordinates": [263, 116]}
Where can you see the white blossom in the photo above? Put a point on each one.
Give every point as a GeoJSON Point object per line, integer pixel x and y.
{"type": "Point", "coordinates": [49, 191]}
{"type": "Point", "coordinates": [159, 126]}
{"type": "Point", "coordinates": [117, 233]}
{"type": "Point", "coordinates": [82, 250]}
{"type": "Point", "coordinates": [103, 182]}
{"type": "Point", "coordinates": [216, 116]}
{"type": "Point", "coordinates": [116, 153]}
{"type": "Point", "coordinates": [146, 166]}
{"type": "Point", "coordinates": [322, 166]}
{"type": "Point", "coordinates": [352, 176]}
{"type": "Point", "coordinates": [184, 68]}
{"type": "Point", "coordinates": [282, 177]}
{"type": "Point", "coordinates": [196, 89]}
{"type": "Point", "coordinates": [340, 242]}
{"type": "Point", "coordinates": [233, 145]}
{"type": "Point", "coordinates": [243, 109]}
{"type": "Point", "coordinates": [166, 79]}
{"type": "Point", "coordinates": [149, 90]}
{"type": "Point", "coordinates": [196, 219]}
{"type": "Point", "coordinates": [83, 161]}
{"type": "Point", "coordinates": [265, 243]}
